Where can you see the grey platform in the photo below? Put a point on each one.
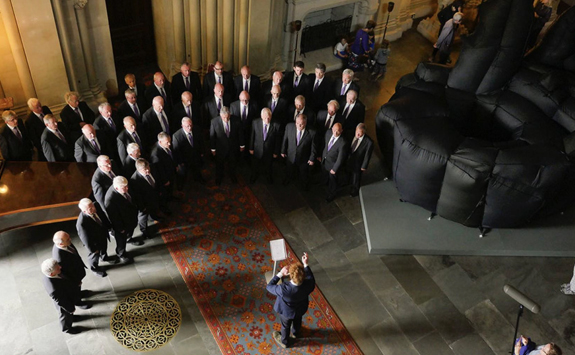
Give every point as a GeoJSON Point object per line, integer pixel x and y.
{"type": "Point", "coordinates": [395, 227]}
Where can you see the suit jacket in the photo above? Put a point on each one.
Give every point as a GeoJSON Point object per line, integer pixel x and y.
{"type": "Point", "coordinates": [322, 95]}
{"type": "Point", "coordinates": [84, 151]}
{"type": "Point", "coordinates": [163, 165]}
{"type": "Point", "coordinates": [292, 301]}
{"type": "Point", "coordinates": [272, 144]}
{"type": "Point", "coordinates": [152, 92]}
{"type": "Point", "coordinates": [210, 82]}
{"type": "Point", "coordinates": [35, 127]}
{"type": "Point", "coordinates": [92, 234]}
{"type": "Point", "coordinates": [280, 112]}
{"type": "Point", "coordinates": [226, 146]}
{"type": "Point", "coordinates": [179, 112]}
{"type": "Point", "coordinates": [337, 90]}
{"type": "Point", "coordinates": [183, 150]}
{"type": "Point", "coordinates": [64, 292]}
{"type": "Point", "coordinates": [55, 149]}
{"type": "Point", "coordinates": [252, 114]}
{"type": "Point", "coordinates": [302, 153]}
{"type": "Point", "coordinates": [72, 265]}
{"type": "Point", "coordinates": [354, 117]}
{"type": "Point", "coordinates": [128, 166]}
{"type": "Point", "coordinates": [123, 213]}
{"type": "Point", "coordinates": [290, 115]}
{"type": "Point", "coordinates": [125, 138]}
{"type": "Point", "coordinates": [303, 87]}
{"type": "Point", "coordinates": [335, 158]}
{"type": "Point", "coordinates": [125, 110]}
{"type": "Point", "coordinates": [101, 182]}
{"type": "Point", "coordinates": [151, 125]}
{"type": "Point", "coordinates": [147, 197]}
{"type": "Point", "coordinates": [17, 149]}
{"type": "Point", "coordinates": [255, 89]}
{"type": "Point", "coordinates": [72, 121]}
{"type": "Point", "coordinates": [267, 88]}
{"type": "Point", "coordinates": [360, 158]}
{"type": "Point", "coordinates": [321, 127]}
{"type": "Point", "coordinates": [178, 87]}
{"type": "Point", "coordinates": [210, 108]}
{"type": "Point", "coordinates": [140, 95]}
{"type": "Point", "coordinates": [101, 125]}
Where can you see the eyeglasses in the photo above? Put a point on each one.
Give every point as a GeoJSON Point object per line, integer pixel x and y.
{"type": "Point", "coordinates": [218, 69]}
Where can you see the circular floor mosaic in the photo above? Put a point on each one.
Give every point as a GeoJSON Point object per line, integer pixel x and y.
{"type": "Point", "coordinates": [146, 320]}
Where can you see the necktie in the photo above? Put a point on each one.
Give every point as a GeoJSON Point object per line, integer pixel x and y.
{"type": "Point", "coordinates": [128, 197]}
{"type": "Point", "coordinates": [169, 153]}
{"type": "Point", "coordinates": [296, 82]}
{"type": "Point", "coordinates": [61, 136]}
{"type": "Point", "coordinates": [219, 79]}
{"type": "Point", "coordinates": [71, 249]}
{"type": "Point", "coordinates": [346, 111]}
{"type": "Point", "coordinates": [219, 105]}
{"type": "Point", "coordinates": [17, 133]}
{"type": "Point", "coordinates": [244, 113]}
{"type": "Point", "coordinates": [137, 139]}
{"type": "Point", "coordinates": [354, 145]}
{"type": "Point", "coordinates": [227, 126]}
{"type": "Point", "coordinates": [343, 86]}
{"type": "Point", "coordinates": [328, 122]}
{"type": "Point", "coordinates": [298, 137]}
{"type": "Point", "coordinates": [150, 181]}
{"type": "Point", "coordinates": [163, 93]}
{"type": "Point", "coordinates": [111, 175]}
{"type": "Point", "coordinates": [111, 123]}
{"type": "Point", "coordinates": [265, 131]}
{"type": "Point", "coordinates": [187, 82]}
{"type": "Point", "coordinates": [41, 116]}
{"type": "Point", "coordinates": [96, 147]}
{"type": "Point", "coordinates": [188, 112]}
{"type": "Point", "coordinates": [246, 86]}
{"type": "Point", "coordinates": [165, 123]}
{"type": "Point", "coordinates": [330, 143]}
{"type": "Point", "coordinates": [191, 139]}
{"type": "Point", "coordinates": [136, 111]}
{"type": "Point", "coordinates": [273, 105]}
{"type": "Point", "coordinates": [316, 85]}
{"type": "Point", "coordinates": [96, 218]}
{"type": "Point", "coordinates": [78, 113]}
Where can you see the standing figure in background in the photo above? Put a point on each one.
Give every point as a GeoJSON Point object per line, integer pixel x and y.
{"type": "Point", "coordinates": [445, 40]}
{"type": "Point", "coordinates": [380, 61]}
{"type": "Point", "coordinates": [542, 12]}
{"type": "Point", "coordinates": [360, 47]}
{"type": "Point", "coordinates": [447, 13]}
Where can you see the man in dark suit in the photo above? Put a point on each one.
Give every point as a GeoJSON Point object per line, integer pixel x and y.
{"type": "Point", "coordinates": [264, 145]}
{"type": "Point", "coordinates": [299, 108]}
{"type": "Point", "coordinates": [299, 150]}
{"type": "Point", "coordinates": [342, 87]}
{"type": "Point", "coordinates": [102, 179]}
{"type": "Point", "coordinates": [130, 134]}
{"type": "Point", "coordinates": [359, 156]}
{"type": "Point", "coordinates": [134, 153]}
{"type": "Point", "coordinates": [160, 87]}
{"type": "Point", "coordinates": [157, 120]}
{"type": "Point", "coordinates": [188, 146]}
{"type": "Point", "coordinates": [164, 166]}
{"type": "Point", "coordinates": [93, 227]}
{"type": "Point", "coordinates": [137, 88]}
{"type": "Point", "coordinates": [76, 114]}
{"type": "Point", "coordinates": [292, 298]}
{"type": "Point", "coordinates": [56, 144]}
{"type": "Point", "coordinates": [131, 107]}
{"type": "Point", "coordinates": [64, 293]}
{"type": "Point", "coordinates": [186, 80]}
{"type": "Point", "coordinates": [73, 267]}
{"type": "Point", "coordinates": [227, 142]}
{"type": "Point", "coordinates": [108, 123]}
{"type": "Point", "coordinates": [353, 113]}
{"type": "Point", "coordinates": [247, 110]}
{"type": "Point", "coordinates": [218, 76]}
{"type": "Point", "coordinates": [297, 82]}
{"type": "Point", "coordinates": [277, 105]}
{"type": "Point", "coordinates": [187, 107]}
{"type": "Point", "coordinates": [325, 121]}
{"type": "Point", "coordinates": [277, 79]}
{"type": "Point", "coordinates": [18, 146]}
{"type": "Point", "coordinates": [146, 194]}
{"type": "Point", "coordinates": [35, 124]}
{"type": "Point", "coordinates": [91, 145]}
{"type": "Point", "coordinates": [247, 82]}
{"type": "Point", "coordinates": [333, 159]}
{"type": "Point", "coordinates": [123, 213]}
{"type": "Point", "coordinates": [214, 103]}
{"type": "Point", "coordinates": [321, 89]}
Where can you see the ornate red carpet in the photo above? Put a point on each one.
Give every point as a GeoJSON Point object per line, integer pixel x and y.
{"type": "Point", "coordinates": [220, 242]}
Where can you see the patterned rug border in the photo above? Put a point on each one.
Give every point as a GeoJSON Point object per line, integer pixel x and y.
{"type": "Point", "coordinates": [203, 302]}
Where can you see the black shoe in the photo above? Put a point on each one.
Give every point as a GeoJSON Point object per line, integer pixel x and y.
{"type": "Point", "coordinates": [84, 305]}
{"type": "Point", "coordinates": [329, 199]}
{"type": "Point", "coordinates": [72, 330]}
{"type": "Point", "coordinates": [100, 273]}
{"type": "Point", "coordinates": [125, 260]}
{"type": "Point", "coordinates": [85, 293]}
{"type": "Point", "coordinates": [135, 241]}
{"type": "Point", "coordinates": [354, 193]}
{"type": "Point", "coordinates": [278, 338]}
{"type": "Point", "coordinates": [111, 260]}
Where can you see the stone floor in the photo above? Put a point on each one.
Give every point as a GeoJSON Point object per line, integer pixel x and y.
{"type": "Point", "coordinates": [391, 304]}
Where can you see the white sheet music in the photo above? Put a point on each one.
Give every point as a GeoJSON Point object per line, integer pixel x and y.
{"type": "Point", "coordinates": [278, 248]}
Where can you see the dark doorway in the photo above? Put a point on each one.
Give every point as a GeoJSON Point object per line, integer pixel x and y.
{"type": "Point", "coordinates": [132, 31]}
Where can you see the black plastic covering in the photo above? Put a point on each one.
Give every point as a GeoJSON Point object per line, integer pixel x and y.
{"type": "Point", "coordinates": [491, 142]}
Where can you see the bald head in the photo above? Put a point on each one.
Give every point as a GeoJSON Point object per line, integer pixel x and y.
{"type": "Point", "coordinates": [219, 90]}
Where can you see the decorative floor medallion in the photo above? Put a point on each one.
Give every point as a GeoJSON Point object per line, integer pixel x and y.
{"type": "Point", "coordinates": [146, 320]}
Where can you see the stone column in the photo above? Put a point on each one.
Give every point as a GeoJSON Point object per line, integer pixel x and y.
{"type": "Point", "coordinates": [242, 46]}
{"type": "Point", "coordinates": [228, 34]}
{"type": "Point", "coordinates": [179, 31]}
{"type": "Point", "coordinates": [65, 43]}
{"type": "Point", "coordinates": [79, 7]}
{"type": "Point", "coordinates": [17, 48]}
{"type": "Point", "coordinates": [211, 25]}
{"type": "Point", "coordinates": [195, 35]}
